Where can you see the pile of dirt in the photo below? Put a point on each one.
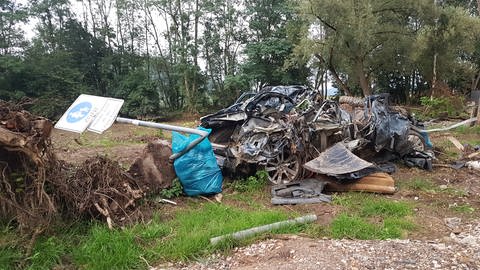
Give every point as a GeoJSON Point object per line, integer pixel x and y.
{"type": "Point", "coordinates": [35, 186]}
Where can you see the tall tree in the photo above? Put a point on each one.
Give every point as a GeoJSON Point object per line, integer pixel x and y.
{"type": "Point", "coordinates": [11, 35]}
{"type": "Point", "coordinates": [356, 35]}
{"type": "Point", "coordinates": [269, 46]}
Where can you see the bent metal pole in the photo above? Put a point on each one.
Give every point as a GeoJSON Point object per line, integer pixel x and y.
{"type": "Point", "coordinates": [201, 133]}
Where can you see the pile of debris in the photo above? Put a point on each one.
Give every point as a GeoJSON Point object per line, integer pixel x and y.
{"type": "Point", "coordinates": [291, 133]}
{"type": "Point", "coordinates": [469, 155]}
{"type": "Point", "coordinates": [35, 186]}
{"type": "Point", "coordinates": [283, 127]}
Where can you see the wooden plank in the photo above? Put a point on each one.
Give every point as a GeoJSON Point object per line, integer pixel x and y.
{"type": "Point", "coordinates": [457, 144]}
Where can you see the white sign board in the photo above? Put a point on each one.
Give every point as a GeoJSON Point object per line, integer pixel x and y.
{"type": "Point", "coordinates": [92, 112]}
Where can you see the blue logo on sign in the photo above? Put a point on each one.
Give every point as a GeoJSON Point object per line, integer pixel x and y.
{"type": "Point", "coordinates": [79, 112]}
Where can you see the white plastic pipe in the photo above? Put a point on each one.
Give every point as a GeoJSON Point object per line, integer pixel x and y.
{"type": "Point", "coordinates": [450, 127]}
{"type": "Point", "coordinates": [261, 229]}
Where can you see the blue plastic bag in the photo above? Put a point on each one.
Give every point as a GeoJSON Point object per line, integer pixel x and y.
{"type": "Point", "coordinates": [197, 169]}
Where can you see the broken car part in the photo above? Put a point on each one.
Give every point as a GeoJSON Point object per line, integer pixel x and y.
{"type": "Point", "coordinates": [302, 192]}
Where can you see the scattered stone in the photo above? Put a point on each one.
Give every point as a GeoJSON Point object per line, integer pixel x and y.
{"type": "Point", "coordinates": [459, 251]}
{"type": "Point", "coordinates": [452, 223]}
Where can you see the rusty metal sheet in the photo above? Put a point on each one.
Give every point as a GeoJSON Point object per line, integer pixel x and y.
{"type": "Point", "coordinates": [337, 160]}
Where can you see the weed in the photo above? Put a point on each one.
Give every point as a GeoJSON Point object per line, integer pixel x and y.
{"type": "Point", "coordinates": [442, 106]}
{"type": "Point", "coordinates": [427, 185]}
{"type": "Point", "coordinates": [468, 130]}
{"type": "Point", "coordinates": [174, 191]}
{"type": "Point", "coordinates": [454, 192]}
{"type": "Point", "coordinates": [464, 208]}
{"type": "Point", "coordinates": [252, 183]}
{"type": "Point", "coordinates": [419, 184]}
{"type": "Point", "coordinates": [316, 231]}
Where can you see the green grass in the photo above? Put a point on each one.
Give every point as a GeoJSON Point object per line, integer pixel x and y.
{"type": "Point", "coordinates": [94, 246]}
{"type": "Point", "coordinates": [419, 184]}
{"type": "Point", "coordinates": [368, 216]}
{"type": "Point", "coordinates": [463, 208]}
{"type": "Point", "coordinates": [108, 249]}
{"type": "Point", "coordinates": [428, 186]}
{"type": "Point", "coordinates": [467, 130]}
{"type": "Point", "coordinates": [9, 257]}
{"type": "Point", "coordinates": [385, 208]}
{"type": "Point", "coordinates": [192, 229]}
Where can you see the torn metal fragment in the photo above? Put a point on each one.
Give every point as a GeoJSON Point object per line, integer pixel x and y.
{"type": "Point", "coordinates": [337, 160]}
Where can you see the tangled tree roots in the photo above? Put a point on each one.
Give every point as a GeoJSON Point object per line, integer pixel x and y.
{"type": "Point", "coordinates": [34, 185]}
{"type": "Point", "coordinates": [100, 188]}
{"type": "Point", "coordinates": [26, 159]}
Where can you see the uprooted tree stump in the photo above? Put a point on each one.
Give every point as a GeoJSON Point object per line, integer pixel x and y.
{"type": "Point", "coordinates": [101, 189]}
{"type": "Point", "coordinates": [26, 161]}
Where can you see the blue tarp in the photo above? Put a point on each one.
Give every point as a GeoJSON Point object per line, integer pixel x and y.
{"type": "Point", "coordinates": [197, 169]}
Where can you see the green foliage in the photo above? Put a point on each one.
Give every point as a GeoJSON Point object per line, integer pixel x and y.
{"type": "Point", "coordinates": [270, 47]}
{"type": "Point", "coordinates": [252, 183]}
{"type": "Point", "coordinates": [174, 191]}
{"type": "Point", "coordinates": [143, 99]}
{"type": "Point", "coordinates": [442, 106]}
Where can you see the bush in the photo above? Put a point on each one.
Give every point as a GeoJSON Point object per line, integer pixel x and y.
{"type": "Point", "coordinates": [442, 107]}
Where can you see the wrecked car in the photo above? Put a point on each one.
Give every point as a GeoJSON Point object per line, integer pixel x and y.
{"type": "Point", "coordinates": [282, 127]}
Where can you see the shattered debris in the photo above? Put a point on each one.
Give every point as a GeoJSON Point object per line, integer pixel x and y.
{"type": "Point", "coordinates": [302, 192]}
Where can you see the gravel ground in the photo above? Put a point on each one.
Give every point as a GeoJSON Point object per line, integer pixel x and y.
{"type": "Point", "coordinates": [459, 250]}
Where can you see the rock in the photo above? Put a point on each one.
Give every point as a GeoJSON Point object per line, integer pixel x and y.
{"type": "Point", "coordinates": [443, 187]}
{"type": "Point", "coordinates": [453, 222]}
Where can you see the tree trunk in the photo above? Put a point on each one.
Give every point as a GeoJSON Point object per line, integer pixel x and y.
{"type": "Point", "coordinates": [363, 79]}
{"type": "Point", "coordinates": [333, 71]}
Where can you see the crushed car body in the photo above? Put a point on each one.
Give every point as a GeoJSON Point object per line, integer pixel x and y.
{"type": "Point", "coordinates": [281, 128]}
